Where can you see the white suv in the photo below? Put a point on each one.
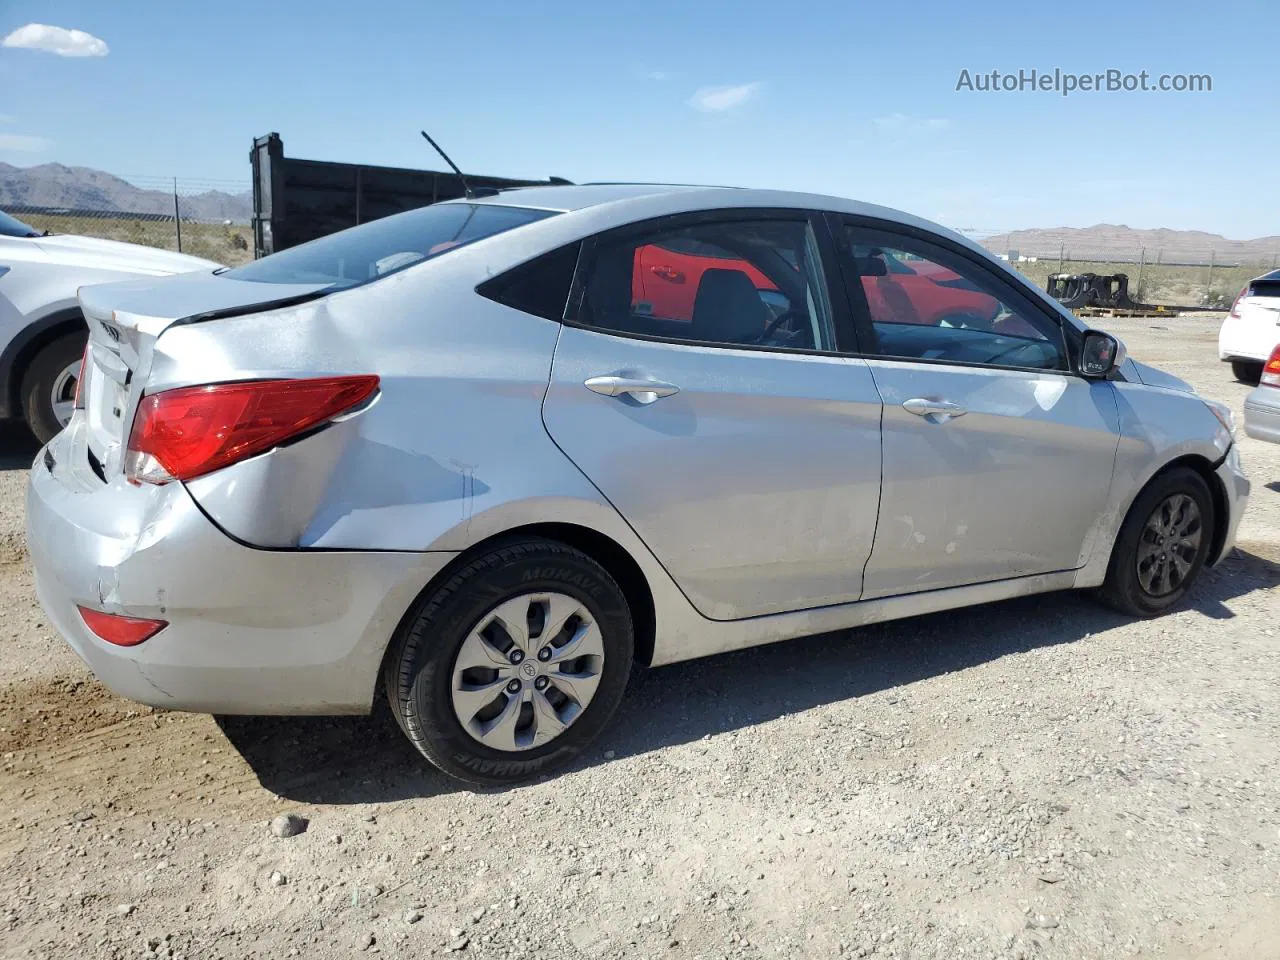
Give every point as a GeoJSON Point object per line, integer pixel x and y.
{"type": "Point", "coordinates": [42, 333]}
{"type": "Point", "coordinates": [1252, 328]}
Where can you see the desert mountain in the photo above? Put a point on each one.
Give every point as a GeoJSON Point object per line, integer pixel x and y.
{"type": "Point", "coordinates": [1107, 241]}
{"type": "Point", "coordinates": [52, 185]}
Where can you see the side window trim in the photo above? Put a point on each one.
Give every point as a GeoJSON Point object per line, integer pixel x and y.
{"type": "Point", "coordinates": [893, 232]}
{"type": "Point", "coordinates": [817, 220]}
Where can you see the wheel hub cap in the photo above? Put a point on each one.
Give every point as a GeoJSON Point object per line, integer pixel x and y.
{"type": "Point", "coordinates": [527, 671]}
{"type": "Point", "coordinates": [1169, 544]}
{"type": "Point", "coordinates": [62, 395]}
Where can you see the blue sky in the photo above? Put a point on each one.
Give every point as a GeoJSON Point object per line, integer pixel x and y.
{"type": "Point", "coordinates": [856, 99]}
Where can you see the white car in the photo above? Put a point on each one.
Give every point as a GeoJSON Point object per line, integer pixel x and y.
{"type": "Point", "coordinates": [1252, 328]}
{"type": "Point", "coordinates": [42, 333]}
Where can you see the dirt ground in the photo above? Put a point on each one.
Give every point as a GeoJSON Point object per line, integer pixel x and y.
{"type": "Point", "coordinates": [1038, 778]}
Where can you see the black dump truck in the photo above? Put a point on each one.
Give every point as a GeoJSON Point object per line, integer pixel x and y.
{"type": "Point", "coordinates": [298, 200]}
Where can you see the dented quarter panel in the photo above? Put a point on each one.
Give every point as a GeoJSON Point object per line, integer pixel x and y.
{"type": "Point", "coordinates": [407, 472]}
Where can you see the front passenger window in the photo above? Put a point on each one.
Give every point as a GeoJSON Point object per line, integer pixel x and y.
{"type": "Point", "coordinates": [736, 283]}
{"type": "Point", "coordinates": [932, 305]}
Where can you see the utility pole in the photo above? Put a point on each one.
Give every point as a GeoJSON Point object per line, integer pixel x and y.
{"type": "Point", "coordinates": [177, 217]}
{"type": "Point", "coordinates": [1142, 265]}
{"type": "Point", "coordinates": [1208, 283]}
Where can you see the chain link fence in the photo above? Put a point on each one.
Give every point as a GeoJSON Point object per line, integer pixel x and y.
{"type": "Point", "coordinates": [1209, 278]}
{"type": "Point", "coordinates": [204, 218]}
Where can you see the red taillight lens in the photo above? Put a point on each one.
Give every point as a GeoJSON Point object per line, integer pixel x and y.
{"type": "Point", "coordinates": [1235, 304]}
{"type": "Point", "coordinates": [1271, 370]}
{"type": "Point", "coordinates": [84, 365]}
{"type": "Point", "coordinates": [184, 433]}
{"type": "Point", "coordinates": [120, 630]}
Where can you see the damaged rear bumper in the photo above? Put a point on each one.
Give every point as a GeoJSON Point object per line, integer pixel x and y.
{"type": "Point", "coordinates": [250, 631]}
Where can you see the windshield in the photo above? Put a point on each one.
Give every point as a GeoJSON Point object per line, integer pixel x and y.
{"type": "Point", "coordinates": [9, 227]}
{"type": "Point", "coordinates": [380, 247]}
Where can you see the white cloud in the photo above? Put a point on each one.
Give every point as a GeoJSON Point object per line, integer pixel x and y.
{"type": "Point", "coordinates": [720, 99]}
{"type": "Point", "coordinates": [59, 40]}
{"type": "Point", "coordinates": [23, 143]}
{"type": "Point", "coordinates": [906, 124]}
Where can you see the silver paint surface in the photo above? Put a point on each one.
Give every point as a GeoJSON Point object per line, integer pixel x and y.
{"type": "Point", "coordinates": [750, 500]}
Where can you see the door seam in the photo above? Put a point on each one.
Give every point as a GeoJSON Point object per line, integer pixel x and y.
{"type": "Point", "coordinates": [542, 415]}
{"type": "Point", "coordinates": [875, 530]}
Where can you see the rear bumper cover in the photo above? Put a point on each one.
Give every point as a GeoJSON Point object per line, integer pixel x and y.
{"type": "Point", "coordinates": [1262, 414]}
{"type": "Point", "coordinates": [250, 631]}
{"type": "Point", "coordinates": [1245, 338]}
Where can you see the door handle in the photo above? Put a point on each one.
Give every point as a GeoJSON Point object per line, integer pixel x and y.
{"type": "Point", "coordinates": [940, 410]}
{"type": "Point", "coordinates": [644, 391]}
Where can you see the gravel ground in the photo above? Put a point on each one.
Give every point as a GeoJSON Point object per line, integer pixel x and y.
{"type": "Point", "coordinates": [1039, 778]}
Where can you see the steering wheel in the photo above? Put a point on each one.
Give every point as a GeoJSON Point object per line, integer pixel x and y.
{"type": "Point", "coordinates": [795, 313]}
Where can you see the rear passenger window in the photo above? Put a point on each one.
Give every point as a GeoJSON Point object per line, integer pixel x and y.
{"type": "Point", "coordinates": [732, 282]}
{"type": "Point", "coordinates": [540, 287]}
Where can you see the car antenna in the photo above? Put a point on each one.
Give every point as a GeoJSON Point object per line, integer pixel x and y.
{"type": "Point", "coordinates": [467, 191]}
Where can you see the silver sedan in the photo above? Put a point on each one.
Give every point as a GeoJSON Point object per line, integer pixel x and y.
{"type": "Point", "coordinates": [482, 457]}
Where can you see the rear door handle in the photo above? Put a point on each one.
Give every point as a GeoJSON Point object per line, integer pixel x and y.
{"type": "Point", "coordinates": [939, 410]}
{"type": "Point", "coordinates": [644, 391]}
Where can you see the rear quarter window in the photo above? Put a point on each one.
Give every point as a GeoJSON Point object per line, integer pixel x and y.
{"type": "Point", "coordinates": [540, 287]}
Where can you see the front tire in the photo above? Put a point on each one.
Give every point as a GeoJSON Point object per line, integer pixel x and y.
{"type": "Point", "coordinates": [1162, 546]}
{"type": "Point", "coordinates": [1247, 371]}
{"type": "Point", "coordinates": [49, 386]}
{"type": "Point", "coordinates": [514, 665]}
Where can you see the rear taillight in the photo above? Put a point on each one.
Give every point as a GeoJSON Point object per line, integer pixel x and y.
{"type": "Point", "coordinates": [121, 630]}
{"type": "Point", "coordinates": [185, 433]}
{"type": "Point", "coordinates": [84, 365]}
{"type": "Point", "coordinates": [1271, 369]}
{"type": "Point", "coordinates": [1235, 304]}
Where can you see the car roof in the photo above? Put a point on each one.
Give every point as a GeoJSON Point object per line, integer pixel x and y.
{"type": "Point", "coordinates": [638, 201]}
{"type": "Point", "coordinates": [580, 196]}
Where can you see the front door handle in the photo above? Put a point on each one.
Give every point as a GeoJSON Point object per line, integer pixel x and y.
{"type": "Point", "coordinates": [939, 411]}
{"type": "Point", "coordinates": [644, 391]}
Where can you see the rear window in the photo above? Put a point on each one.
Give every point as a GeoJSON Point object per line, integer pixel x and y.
{"type": "Point", "coordinates": [9, 227]}
{"type": "Point", "coordinates": [380, 247]}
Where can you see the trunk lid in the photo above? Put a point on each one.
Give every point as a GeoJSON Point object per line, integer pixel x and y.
{"type": "Point", "coordinates": [1261, 302]}
{"type": "Point", "coordinates": [126, 319]}
{"type": "Point", "coordinates": [1262, 308]}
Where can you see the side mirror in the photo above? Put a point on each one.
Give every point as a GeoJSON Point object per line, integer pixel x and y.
{"type": "Point", "coordinates": [1101, 354]}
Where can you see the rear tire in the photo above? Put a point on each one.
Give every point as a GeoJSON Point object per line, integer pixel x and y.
{"type": "Point", "coordinates": [1153, 563]}
{"type": "Point", "coordinates": [427, 679]}
{"type": "Point", "coordinates": [1247, 371]}
{"type": "Point", "coordinates": [46, 392]}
